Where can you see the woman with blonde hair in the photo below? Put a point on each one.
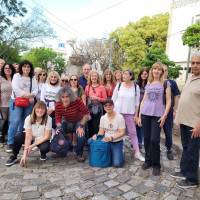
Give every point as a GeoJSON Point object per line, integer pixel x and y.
{"type": "Point", "coordinates": [153, 113]}
{"type": "Point", "coordinates": [37, 134]}
{"type": "Point", "coordinates": [49, 92]}
{"type": "Point", "coordinates": [108, 82]}
{"type": "Point", "coordinates": [42, 77]}
{"type": "Point", "coordinates": [96, 95]}
{"type": "Point", "coordinates": [118, 76]}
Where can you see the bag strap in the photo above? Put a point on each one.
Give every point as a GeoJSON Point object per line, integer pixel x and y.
{"type": "Point", "coordinates": [31, 84]}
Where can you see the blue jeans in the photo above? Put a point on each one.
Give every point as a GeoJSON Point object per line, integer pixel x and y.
{"type": "Point", "coordinates": [70, 128]}
{"type": "Point", "coordinates": [140, 134]}
{"type": "Point", "coordinates": [17, 117]}
{"type": "Point", "coordinates": [117, 154]}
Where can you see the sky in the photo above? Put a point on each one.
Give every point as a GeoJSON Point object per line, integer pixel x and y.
{"type": "Point", "coordinates": [83, 19]}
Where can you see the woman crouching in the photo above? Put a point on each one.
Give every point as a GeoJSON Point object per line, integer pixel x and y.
{"type": "Point", "coordinates": [38, 126]}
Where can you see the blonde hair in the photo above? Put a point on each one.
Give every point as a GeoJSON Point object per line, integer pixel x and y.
{"type": "Point", "coordinates": [104, 76]}
{"type": "Point", "coordinates": [98, 77]}
{"type": "Point", "coordinates": [157, 65]}
{"type": "Point", "coordinates": [117, 71]}
{"type": "Point", "coordinates": [56, 74]}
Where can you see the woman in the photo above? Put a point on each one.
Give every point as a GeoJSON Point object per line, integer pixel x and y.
{"type": "Point", "coordinates": [153, 114]}
{"type": "Point", "coordinates": [108, 82]}
{"type": "Point", "coordinates": [76, 88]}
{"type": "Point", "coordinates": [142, 81]}
{"type": "Point", "coordinates": [71, 115]}
{"type": "Point", "coordinates": [42, 77]}
{"type": "Point", "coordinates": [37, 133]}
{"type": "Point", "coordinates": [126, 99]}
{"type": "Point", "coordinates": [7, 73]}
{"type": "Point", "coordinates": [118, 76]}
{"type": "Point", "coordinates": [64, 80]}
{"type": "Point", "coordinates": [24, 85]}
{"type": "Point", "coordinates": [96, 95]}
{"type": "Point", "coordinates": [49, 92]}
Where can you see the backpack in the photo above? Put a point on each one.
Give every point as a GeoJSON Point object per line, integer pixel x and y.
{"type": "Point", "coordinates": [99, 152]}
{"type": "Point", "coordinates": [59, 144]}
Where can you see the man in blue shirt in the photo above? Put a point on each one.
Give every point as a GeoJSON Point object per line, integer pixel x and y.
{"type": "Point", "coordinates": [83, 78]}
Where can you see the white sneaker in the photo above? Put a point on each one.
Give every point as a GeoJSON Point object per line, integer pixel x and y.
{"type": "Point", "coordinates": [139, 156]}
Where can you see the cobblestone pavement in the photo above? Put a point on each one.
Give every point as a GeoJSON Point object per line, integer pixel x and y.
{"type": "Point", "coordinates": [65, 179]}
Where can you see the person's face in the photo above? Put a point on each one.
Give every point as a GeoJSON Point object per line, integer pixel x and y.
{"type": "Point", "coordinates": [126, 76]}
{"type": "Point", "coordinates": [86, 70]}
{"type": "Point", "coordinates": [108, 107]}
{"type": "Point", "coordinates": [65, 99]}
{"type": "Point", "coordinates": [42, 76]}
{"type": "Point", "coordinates": [165, 71]}
{"type": "Point", "coordinates": [64, 82]}
{"type": "Point", "coordinates": [195, 65]}
{"type": "Point", "coordinates": [16, 66]}
{"type": "Point", "coordinates": [157, 73]}
{"type": "Point", "coordinates": [118, 76]}
{"type": "Point", "coordinates": [144, 75]}
{"type": "Point", "coordinates": [40, 111]}
{"type": "Point", "coordinates": [73, 81]}
{"type": "Point", "coordinates": [2, 62]}
{"type": "Point", "coordinates": [26, 69]}
{"type": "Point", "coordinates": [108, 76]}
{"type": "Point", "coordinates": [94, 78]}
{"type": "Point", "coordinates": [53, 79]}
{"type": "Point", "coordinates": [7, 70]}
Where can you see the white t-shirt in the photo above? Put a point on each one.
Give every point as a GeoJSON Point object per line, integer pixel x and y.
{"type": "Point", "coordinates": [38, 129]}
{"type": "Point", "coordinates": [112, 126]}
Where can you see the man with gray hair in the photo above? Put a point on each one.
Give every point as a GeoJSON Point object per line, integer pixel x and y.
{"type": "Point", "coordinates": [188, 116]}
{"type": "Point", "coordinates": [83, 78]}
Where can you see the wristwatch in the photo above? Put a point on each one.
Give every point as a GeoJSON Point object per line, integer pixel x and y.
{"type": "Point", "coordinates": [81, 125]}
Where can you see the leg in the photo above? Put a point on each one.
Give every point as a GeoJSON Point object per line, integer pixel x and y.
{"type": "Point", "coordinates": [117, 154]}
{"type": "Point", "coordinates": [18, 141]}
{"type": "Point", "coordinates": [139, 135]}
{"type": "Point", "coordinates": [44, 147]}
{"type": "Point", "coordinates": [80, 145]}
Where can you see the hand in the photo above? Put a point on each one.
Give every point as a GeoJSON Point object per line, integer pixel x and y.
{"type": "Point", "coordinates": [174, 114]}
{"type": "Point", "coordinates": [162, 120]}
{"type": "Point", "coordinates": [107, 139]}
{"type": "Point", "coordinates": [94, 98]}
{"type": "Point", "coordinates": [28, 149]}
{"type": "Point", "coordinates": [196, 131]}
{"type": "Point", "coordinates": [23, 161]}
{"type": "Point", "coordinates": [94, 137]}
{"type": "Point", "coordinates": [135, 119]}
{"type": "Point", "coordinates": [80, 131]}
{"type": "Point", "coordinates": [49, 111]}
{"type": "Point", "coordinates": [139, 122]}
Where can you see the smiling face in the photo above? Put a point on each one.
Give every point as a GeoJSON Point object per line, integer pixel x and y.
{"type": "Point", "coordinates": [86, 70]}
{"type": "Point", "coordinates": [144, 75]}
{"type": "Point", "coordinates": [94, 77]}
{"type": "Point", "coordinates": [108, 107]}
{"type": "Point", "coordinates": [157, 72]}
{"type": "Point", "coordinates": [26, 68]}
{"type": "Point", "coordinates": [65, 99]}
{"type": "Point", "coordinates": [40, 111]}
{"type": "Point", "coordinates": [7, 70]}
{"type": "Point", "coordinates": [74, 81]}
{"type": "Point", "coordinates": [126, 76]}
{"type": "Point", "coordinates": [53, 79]}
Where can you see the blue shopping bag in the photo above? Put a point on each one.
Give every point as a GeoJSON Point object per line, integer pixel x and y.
{"type": "Point", "coordinates": [99, 152]}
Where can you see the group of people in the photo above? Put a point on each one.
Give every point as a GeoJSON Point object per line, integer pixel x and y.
{"type": "Point", "coordinates": [89, 105]}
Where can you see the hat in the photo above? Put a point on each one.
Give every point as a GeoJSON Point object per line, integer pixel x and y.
{"type": "Point", "coordinates": [108, 101]}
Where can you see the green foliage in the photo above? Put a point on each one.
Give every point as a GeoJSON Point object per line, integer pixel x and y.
{"type": "Point", "coordinates": [156, 54]}
{"type": "Point", "coordinates": [41, 56]}
{"type": "Point", "coordinates": [191, 36]}
{"type": "Point", "coordinates": [131, 43]}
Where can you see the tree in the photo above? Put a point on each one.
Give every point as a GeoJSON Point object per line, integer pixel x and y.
{"type": "Point", "coordinates": [156, 54]}
{"type": "Point", "coordinates": [40, 57]}
{"type": "Point", "coordinates": [191, 36]}
{"type": "Point", "coordinates": [132, 42]}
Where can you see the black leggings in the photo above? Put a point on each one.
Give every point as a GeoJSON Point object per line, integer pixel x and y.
{"type": "Point", "coordinates": [20, 139]}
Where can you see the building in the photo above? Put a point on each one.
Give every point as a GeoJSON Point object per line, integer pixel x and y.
{"type": "Point", "coordinates": [183, 13]}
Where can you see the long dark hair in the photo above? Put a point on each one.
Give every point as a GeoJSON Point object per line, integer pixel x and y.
{"type": "Point", "coordinates": [3, 70]}
{"type": "Point", "coordinates": [26, 62]}
{"type": "Point", "coordinates": [140, 82]}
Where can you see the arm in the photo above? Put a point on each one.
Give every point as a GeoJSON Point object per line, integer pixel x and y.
{"type": "Point", "coordinates": [115, 92]}
{"type": "Point", "coordinates": [16, 86]}
{"type": "Point", "coordinates": [116, 135]}
{"type": "Point", "coordinates": [43, 91]}
{"type": "Point", "coordinates": [137, 103]}
{"type": "Point", "coordinates": [34, 90]}
{"type": "Point", "coordinates": [58, 114]}
{"type": "Point", "coordinates": [196, 131]}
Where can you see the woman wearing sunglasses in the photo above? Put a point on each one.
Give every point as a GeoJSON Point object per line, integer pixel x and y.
{"type": "Point", "coordinates": [42, 77]}
{"type": "Point", "coordinates": [76, 88]}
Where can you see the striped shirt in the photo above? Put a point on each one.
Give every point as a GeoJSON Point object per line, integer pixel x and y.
{"type": "Point", "coordinates": [72, 113]}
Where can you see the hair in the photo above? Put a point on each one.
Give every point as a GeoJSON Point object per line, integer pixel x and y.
{"type": "Point", "coordinates": [39, 104]}
{"type": "Point", "coordinates": [69, 92]}
{"type": "Point", "coordinates": [104, 76]}
{"type": "Point", "coordinates": [195, 54]}
{"type": "Point", "coordinates": [130, 73]}
{"type": "Point", "coordinates": [86, 64]}
{"type": "Point", "coordinates": [157, 65]}
{"type": "Point", "coordinates": [3, 70]}
{"type": "Point", "coordinates": [77, 80]}
{"type": "Point", "coordinates": [98, 77]}
{"type": "Point", "coordinates": [42, 71]}
{"type": "Point", "coordinates": [26, 62]}
{"type": "Point", "coordinates": [117, 71]}
{"type": "Point", "coordinates": [53, 73]}
{"type": "Point", "coordinates": [139, 80]}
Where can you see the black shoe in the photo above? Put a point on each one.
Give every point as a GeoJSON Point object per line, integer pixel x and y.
{"type": "Point", "coordinates": [9, 148]}
{"type": "Point", "coordinates": [156, 171]}
{"type": "Point", "coordinates": [185, 184]}
{"type": "Point", "coordinates": [43, 157]}
{"type": "Point", "coordinates": [146, 165]}
{"type": "Point", "coordinates": [80, 158]}
{"type": "Point", "coordinates": [178, 175]}
{"type": "Point", "coordinates": [170, 155]}
{"type": "Point", "coordinates": [11, 161]}
{"type": "Point", "coordinates": [140, 146]}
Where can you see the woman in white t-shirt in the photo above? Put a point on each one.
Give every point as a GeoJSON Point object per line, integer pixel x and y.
{"type": "Point", "coordinates": [37, 134]}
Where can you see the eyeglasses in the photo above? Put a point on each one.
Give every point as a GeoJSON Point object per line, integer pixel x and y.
{"type": "Point", "coordinates": [7, 68]}
{"type": "Point", "coordinates": [193, 63]}
{"type": "Point", "coordinates": [42, 74]}
{"type": "Point", "coordinates": [73, 79]}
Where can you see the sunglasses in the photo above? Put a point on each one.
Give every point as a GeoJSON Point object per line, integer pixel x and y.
{"type": "Point", "coordinates": [42, 74]}
{"type": "Point", "coordinates": [73, 79]}
{"type": "Point", "coordinates": [193, 63]}
{"type": "Point", "coordinates": [64, 81]}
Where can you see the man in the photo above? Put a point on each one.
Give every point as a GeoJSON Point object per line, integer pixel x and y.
{"type": "Point", "coordinates": [188, 116]}
{"type": "Point", "coordinates": [83, 78]}
{"type": "Point", "coordinates": [168, 126]}
{"type": "Point", "coordinates": [2, 62]}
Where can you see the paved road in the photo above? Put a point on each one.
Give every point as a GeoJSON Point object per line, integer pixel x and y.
{"type": "Point", "coordinates": [65, 179]}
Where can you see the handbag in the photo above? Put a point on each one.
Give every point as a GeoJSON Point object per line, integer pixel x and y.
{"type": "Point", "coordinates": [99, 153]}
{"type": "Point", "coordinates": [22, 101]}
